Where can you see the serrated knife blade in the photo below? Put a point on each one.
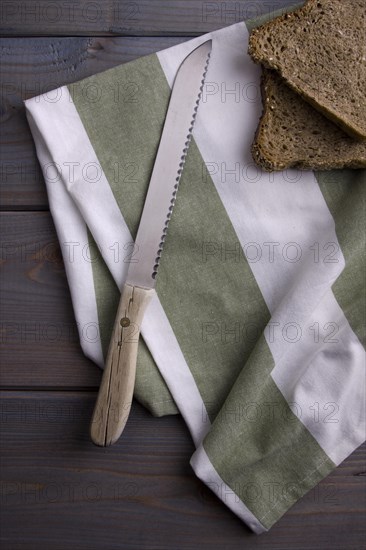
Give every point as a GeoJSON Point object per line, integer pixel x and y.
{"type": "Point", "coordinates": [116, 390]}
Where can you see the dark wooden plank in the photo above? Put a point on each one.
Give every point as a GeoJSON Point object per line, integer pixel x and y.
{"type": "Point", "coordinates": [37, 65]}
{"type": "Point", "coordinates": [39, 340]}
{"type": "Point", "coordinates": [139, 17]}
{"type": "Point", "coordinates": [59, 491]}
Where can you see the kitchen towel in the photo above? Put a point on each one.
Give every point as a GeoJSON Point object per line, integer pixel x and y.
{"type": "Point", "coordinates": [256, 334]}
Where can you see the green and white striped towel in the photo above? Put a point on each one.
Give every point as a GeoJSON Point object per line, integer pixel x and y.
{"type": "Point", "coordinates": [256, 336]}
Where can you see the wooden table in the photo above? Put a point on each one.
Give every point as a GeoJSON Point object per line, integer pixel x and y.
{"type": "Point", "coordinates": [58, 490]}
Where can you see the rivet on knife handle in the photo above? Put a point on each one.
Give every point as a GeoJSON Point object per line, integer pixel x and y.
{"type": "Point", "coordinates": [115, 395]}
{"type": "Point", "coordinates": [116, 391]}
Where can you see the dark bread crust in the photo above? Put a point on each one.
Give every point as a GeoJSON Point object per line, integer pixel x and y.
{"type": "Point", "coordinates": [291, 134]}
{"type": "Point", "coordinates": [320, 50]}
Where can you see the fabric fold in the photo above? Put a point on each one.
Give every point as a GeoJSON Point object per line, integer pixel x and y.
{"type": "Point", "coordinates": [255, 335]}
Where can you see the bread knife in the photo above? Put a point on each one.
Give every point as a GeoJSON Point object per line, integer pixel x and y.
{"type": "Point", "coordinates": [115, 394]}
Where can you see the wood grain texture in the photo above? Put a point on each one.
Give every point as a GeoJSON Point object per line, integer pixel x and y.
{"type": "Point", "coordinates": [139, 17]}
{"type": "Point", "coordinates": [115, 394]}
{"type": "Point", "coordinates": [60, 491]}
{"type": "Point", "coordinates": [31, 66]}
{"type": "Point", "coordinates": [39, 337]}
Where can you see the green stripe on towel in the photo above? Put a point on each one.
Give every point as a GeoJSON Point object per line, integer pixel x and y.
{"type": "Point", "coordinates": [259, 446]}
{"type": "Point", "coordinates": [197, 257]}
{"type": "Point", "coordinates": [345, 195]}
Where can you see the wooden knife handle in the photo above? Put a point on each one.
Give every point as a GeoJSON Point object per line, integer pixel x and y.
{"type": "Point", "coordinates": [116, 390]}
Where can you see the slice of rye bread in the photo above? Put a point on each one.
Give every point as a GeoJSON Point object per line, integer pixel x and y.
{"type": "Point", "coordinates": [291, 134]}
{"type": "Point", "coordinates": [320, 50]}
